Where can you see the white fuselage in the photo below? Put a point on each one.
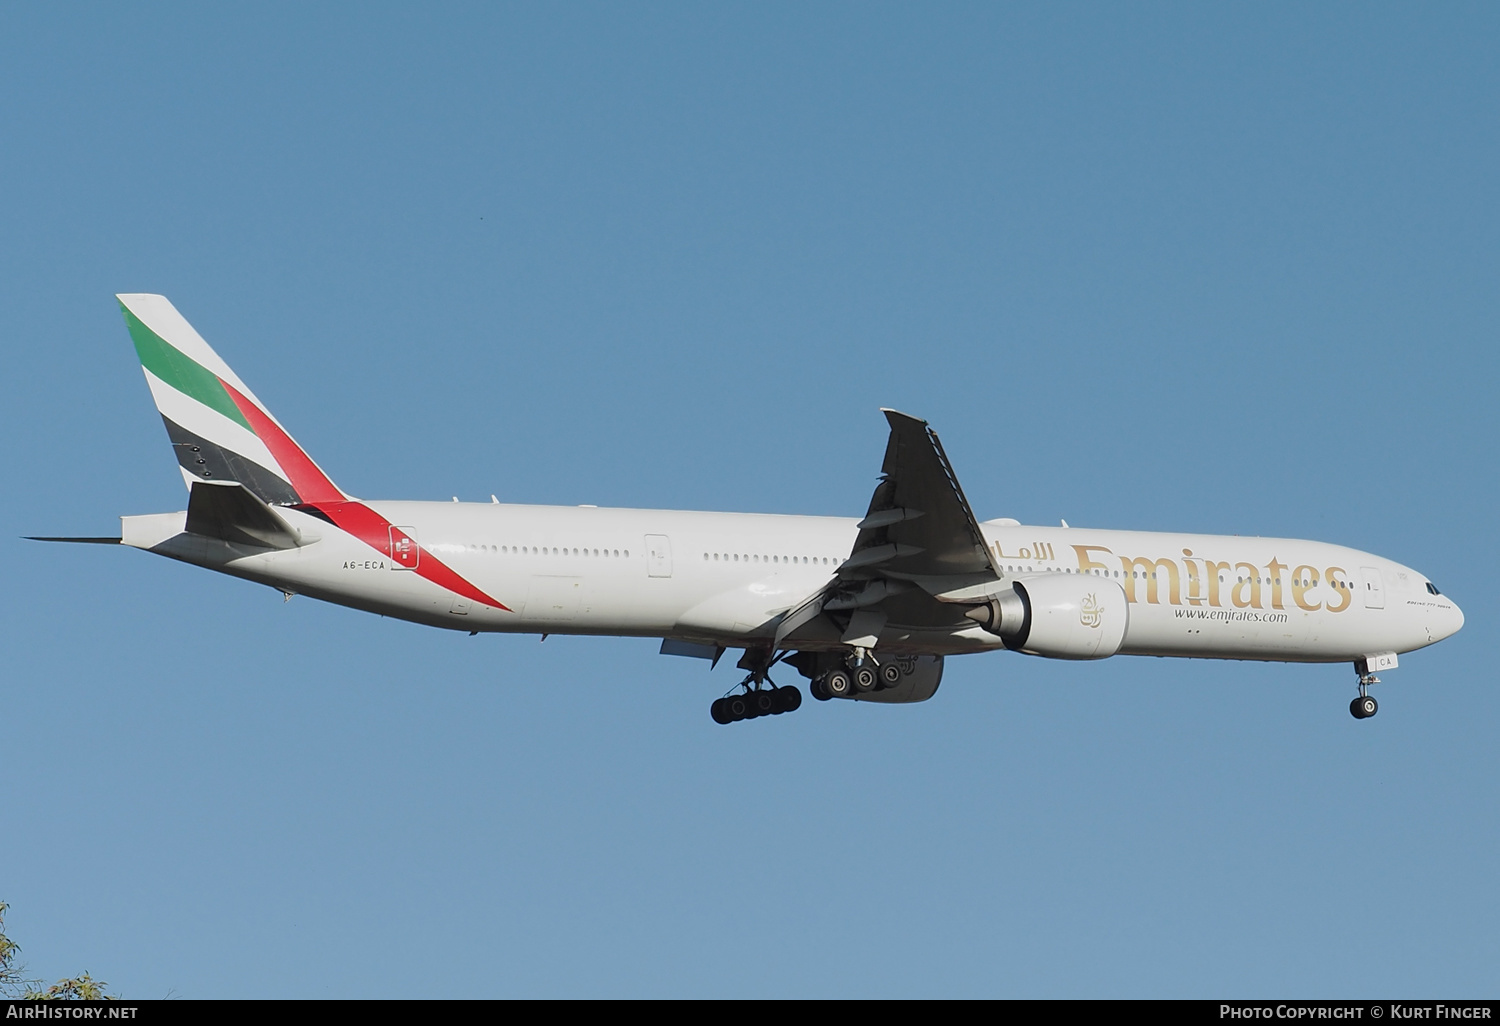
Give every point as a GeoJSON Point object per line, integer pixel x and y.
{"type": "Point", "coordinates": [723, 578]}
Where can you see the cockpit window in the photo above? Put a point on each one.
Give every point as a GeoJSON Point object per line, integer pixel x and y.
{"type": "Point", "coordinates": [1432, 589]}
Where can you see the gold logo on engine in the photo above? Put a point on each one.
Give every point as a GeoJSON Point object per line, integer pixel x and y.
{"type": "Point", "coordinates": [1092, 615]}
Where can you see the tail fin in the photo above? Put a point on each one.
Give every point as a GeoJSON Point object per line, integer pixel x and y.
{"type": "Point", "coordinates": [219, 430]}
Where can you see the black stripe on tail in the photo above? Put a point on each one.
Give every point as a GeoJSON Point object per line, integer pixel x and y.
{"type": "Point", "coordinates": [213, 462]}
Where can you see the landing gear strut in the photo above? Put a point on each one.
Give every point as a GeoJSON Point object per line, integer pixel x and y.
{"type": "Point", "coordinates": [1365, 706]}
{"type": "Point", "coordinates": [761, 695]}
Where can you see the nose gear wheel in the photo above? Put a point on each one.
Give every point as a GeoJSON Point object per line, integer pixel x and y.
{"type": "Point", "coordinates": [1365, 706]}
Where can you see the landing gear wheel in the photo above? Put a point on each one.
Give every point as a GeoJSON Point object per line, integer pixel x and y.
{"type": "Point", "coordinates": [1364, 707]}
{"type": "Point", "coordinates": [758, 695]}
{"type": "Point", "coordinates": [865, 679]}
{"type": "Point", "coordinates": [890, 674]}
{"type": "Point", "coordinates": [819, 689]}
{"type": "Point", "coordinates": [838, 683]}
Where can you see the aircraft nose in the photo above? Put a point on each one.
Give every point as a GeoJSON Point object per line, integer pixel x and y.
{"type": "Point", "coordinates": [1457, 620]}
{"type": "Point", "coordinates": [1450, 622]}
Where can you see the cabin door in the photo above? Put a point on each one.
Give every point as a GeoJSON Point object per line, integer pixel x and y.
{"type": "Point", "coordinates": [658, 556]}
{"type": "Point", "coordinates": [405, 552]}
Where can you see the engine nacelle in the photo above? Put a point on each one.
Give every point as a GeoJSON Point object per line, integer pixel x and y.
{"type": "Point", "coordinates": [1060, 616]}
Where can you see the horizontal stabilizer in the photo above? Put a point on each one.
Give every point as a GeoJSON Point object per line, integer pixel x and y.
{"type": "Point", "coordinates": [79, 541]}
{"type": "Point", "coordinates": [230, 512]}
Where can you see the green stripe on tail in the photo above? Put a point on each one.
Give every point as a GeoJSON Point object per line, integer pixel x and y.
{"type": "Point", "coordinates": [182, 373]}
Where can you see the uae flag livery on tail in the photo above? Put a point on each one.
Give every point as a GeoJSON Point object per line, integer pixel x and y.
{"type": "Point", "coordinates": [222, 432]}
{"type": "Point", "coordinates": [218, 428]}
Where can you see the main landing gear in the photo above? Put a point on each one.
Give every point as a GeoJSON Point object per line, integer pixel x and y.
{"type": "Point", "coordinates": [772, 701]}
{"type": "Point", "coordinates": [1365, 706]}
{"type": "Point", "coordinates": [758, 699]}
{"type": "Point", "coordinates": [859, 675]}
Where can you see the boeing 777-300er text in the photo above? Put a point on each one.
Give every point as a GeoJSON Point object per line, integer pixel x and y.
{"type": "Point", "coordinates": [865, 609]}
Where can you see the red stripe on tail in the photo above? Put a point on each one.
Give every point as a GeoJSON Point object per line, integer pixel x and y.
{"type": "Point", "coordinates": [375, 531]}
{"type": "Point", "coordinates": [310, 483]}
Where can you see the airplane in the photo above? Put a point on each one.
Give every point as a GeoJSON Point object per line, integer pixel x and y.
{"type": "Point", "coordinates": [866, 609]}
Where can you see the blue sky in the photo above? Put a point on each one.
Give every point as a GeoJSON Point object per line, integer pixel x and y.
{"type": "Point", "coordinates": [1221, 269]}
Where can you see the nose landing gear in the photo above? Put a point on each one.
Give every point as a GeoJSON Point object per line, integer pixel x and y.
{"type": "Point", "coordinates": [1365, 706]}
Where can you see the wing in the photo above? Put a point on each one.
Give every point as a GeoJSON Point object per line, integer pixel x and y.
{"type": "Point", "coordinates": [919, 522]}
{"type": "Point", "coordinates": [918, 556]}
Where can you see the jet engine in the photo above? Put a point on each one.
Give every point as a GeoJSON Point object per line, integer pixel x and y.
{"type": "Point", "coordinates": [1060, 616]}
